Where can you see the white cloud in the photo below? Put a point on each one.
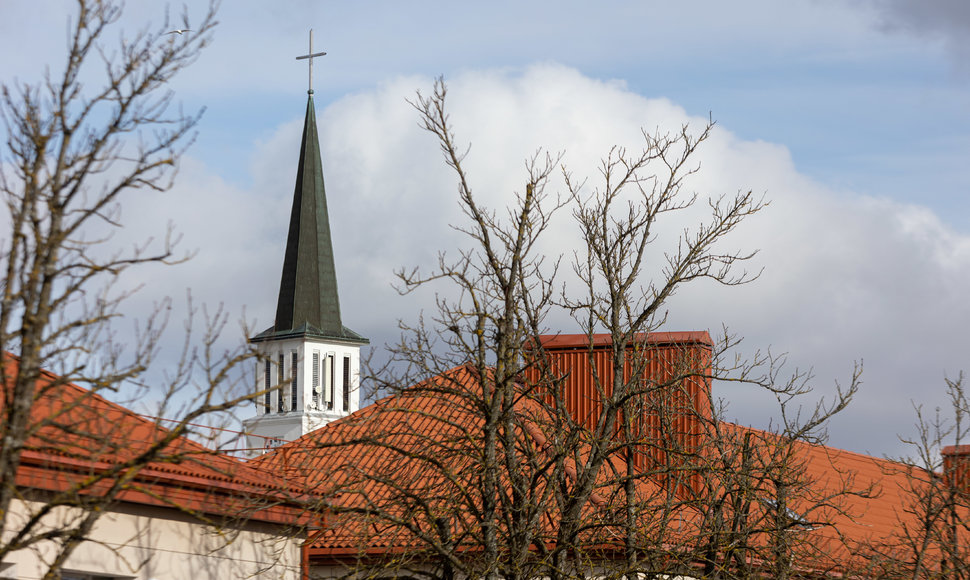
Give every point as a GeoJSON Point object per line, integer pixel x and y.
{"type": "Point", "coordinates": [846, 276]}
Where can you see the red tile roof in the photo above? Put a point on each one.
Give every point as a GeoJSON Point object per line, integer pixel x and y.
{"type": "Point", "coordinates": [82, 441]}
{"type": "Point", "coordinates": [409, 451]}
{"type": "Point", "coordinates": [404, 455]}
{"type": "Point", "coordinates": [847, 501]}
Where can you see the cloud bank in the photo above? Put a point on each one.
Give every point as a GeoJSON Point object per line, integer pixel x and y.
{"type": "Point", "coordinates": [846, 277]}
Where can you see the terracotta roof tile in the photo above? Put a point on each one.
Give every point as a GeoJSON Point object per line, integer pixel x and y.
{"type": "Point", "coordinates": [75, 435]}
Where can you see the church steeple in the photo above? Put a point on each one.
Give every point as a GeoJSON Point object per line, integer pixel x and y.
{"type": "Point", "coordinates": [308, 303]}
{"type": "Point", "coordinates": [308, 288]}
{"type": "Point", "coordinates": [308, 372]}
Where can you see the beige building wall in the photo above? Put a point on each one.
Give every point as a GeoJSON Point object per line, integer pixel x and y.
{"type": "Point", "coordinates": [149, 543]}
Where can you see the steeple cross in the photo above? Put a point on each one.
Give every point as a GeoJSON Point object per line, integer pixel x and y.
{"type": "Point", "coordinates": [310, 56]}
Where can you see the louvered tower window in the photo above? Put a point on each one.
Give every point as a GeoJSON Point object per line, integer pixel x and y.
{"type": "Point", "coordinates": [294, 382]}
{"type": "Point", "coordinates": [281, 401]}
{"type": "Point", "coordinates": [315, 384]}
{"type": "Point", "coordinates": [346, 384]}
{"type": "Point", "coordinates": [328, 381]}
{"type": "Point", "coordinates": [267, 378]}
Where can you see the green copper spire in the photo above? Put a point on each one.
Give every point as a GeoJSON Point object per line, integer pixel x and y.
{"type": "Point", "coordinates": [308, 303]}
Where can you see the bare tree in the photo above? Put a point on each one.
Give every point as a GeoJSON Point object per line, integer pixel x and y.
{"type": "Point", "coordinates": [99, 130]}
{"type": "Point", "coordinates": [504, 292]}
{"type": "Point", "coordinates": [932, 538]}
{"type": "Point", "coordinates": [660, 422]}
{"type": "Point", "coordinates": [618, 223]}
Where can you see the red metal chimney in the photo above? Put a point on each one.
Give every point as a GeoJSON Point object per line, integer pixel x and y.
{"type": "Point", "coordinates": [676, 415]}
{"type": "Point", "coordinates": [956, 466]}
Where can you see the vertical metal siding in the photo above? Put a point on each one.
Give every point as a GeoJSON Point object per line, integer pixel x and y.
{"type": "Point", "coordinates": [671, 420]}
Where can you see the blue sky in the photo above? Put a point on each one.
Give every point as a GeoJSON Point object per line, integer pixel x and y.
{"type": "Point", "coordinates": [851, 89]}
{"type": "Point", "coordinates": [853, 117]}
